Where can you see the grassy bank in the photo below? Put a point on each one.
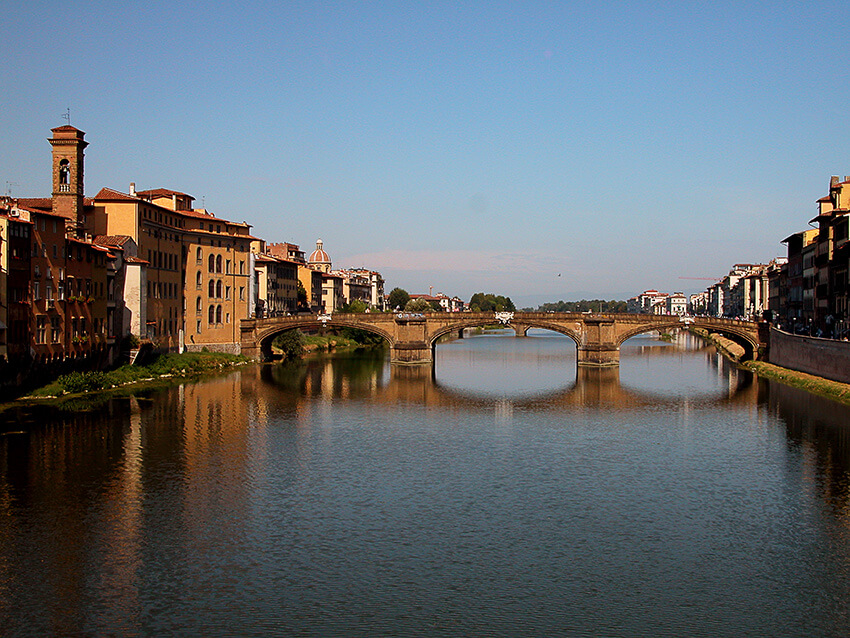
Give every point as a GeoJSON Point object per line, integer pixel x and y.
{"type": "Point", "coordinates": [816, 385]}
{"type": "Point", "coordinates": [167, 366]}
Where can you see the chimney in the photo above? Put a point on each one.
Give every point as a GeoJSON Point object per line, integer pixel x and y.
{"type": "Point", "coordinates": [132, 189]}
{"type": "Point", "coordinates": [833, 181]}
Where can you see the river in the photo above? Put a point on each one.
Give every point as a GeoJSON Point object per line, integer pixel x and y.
{"type": "Point", "coordinates": [502, 493]}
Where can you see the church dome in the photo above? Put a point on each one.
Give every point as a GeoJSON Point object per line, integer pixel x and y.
{"type": "Point", "coordinates": [319, 258]}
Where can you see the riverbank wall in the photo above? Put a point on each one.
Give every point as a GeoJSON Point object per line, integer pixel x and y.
{"type": "Point", "coordinates": [825, 358]}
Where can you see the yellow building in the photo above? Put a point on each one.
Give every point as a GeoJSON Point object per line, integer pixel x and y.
{"type": "Point", "coordinates": [198, 281]}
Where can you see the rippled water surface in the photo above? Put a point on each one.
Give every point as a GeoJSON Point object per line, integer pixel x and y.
{"type": "Point", "coordinates": [504, 493]}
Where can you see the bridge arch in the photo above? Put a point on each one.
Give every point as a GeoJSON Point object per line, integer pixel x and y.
{"type": "Point", "coordinates": [738, 334]}
{"type": "Point", "coordinates": [523, 327]}
{"type": "Point", "coordinates": [265, 335]}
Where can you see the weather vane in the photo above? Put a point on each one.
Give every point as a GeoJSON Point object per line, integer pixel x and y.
{"type": "Point", "coordinates": [67, 116]}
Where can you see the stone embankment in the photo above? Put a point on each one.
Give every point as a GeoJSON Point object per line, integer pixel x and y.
{"type": "Point", "coordinates": [815, 365]}
{"type": "Point", "coordinates": [726, 346]}
{"type": "Point", "coordinates": [826, 358]}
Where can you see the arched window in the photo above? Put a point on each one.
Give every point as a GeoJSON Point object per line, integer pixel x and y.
{"type": "Point", "coordinates": [218, 314]}
{"type": "Point", "coordinates": [198, 280]}
{"type": "Point", "coordinates": [199, 257]}
{"type": "Point", "coordinates": [211, 264]}
{"type": "Point", "coordinates": [212, 315]}
{"type": "Point", "coordinates": [211, 291]}
{"type": "Point", "coordinates": [218, 289]}
{"type": "Point", "coordinates": [198, 305]}
{"type": "Point", "coordinates": [218, 263]}
{"type": "Point", "coordinates": [64, 172]}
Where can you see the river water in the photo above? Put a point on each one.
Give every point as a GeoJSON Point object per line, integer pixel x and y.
{"type": "Point", "coordinates": [503, 493]}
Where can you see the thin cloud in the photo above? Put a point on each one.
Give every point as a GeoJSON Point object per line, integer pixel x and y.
{"type": "Point", "coordinates": [466, 261]}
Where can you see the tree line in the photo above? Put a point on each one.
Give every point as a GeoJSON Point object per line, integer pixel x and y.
{"type": "Point", "coordinates": [593, 305]}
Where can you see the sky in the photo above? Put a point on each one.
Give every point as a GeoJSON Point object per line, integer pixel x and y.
{"type": "Point", "coordinates": [541, 150]}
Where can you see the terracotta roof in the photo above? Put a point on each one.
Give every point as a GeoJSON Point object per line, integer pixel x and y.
{"type": "Point", "coordinates": [112, 240]}
{"type": "Point", "coordinates": [136, 260]}
{"type": "Point", "coordinates": [66, 127]}
{"type": "Point", "coordinates": [200, 214]}
{"type": "Point", "coordinates": [36, 202]}
{"type": "Point", "coordinates": [162, 192]}
{"type": "Point", "coordinates": [112, 195]}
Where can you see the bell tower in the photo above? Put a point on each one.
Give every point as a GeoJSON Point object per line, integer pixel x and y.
{"type": "Point", "coordinates": [68, 159]}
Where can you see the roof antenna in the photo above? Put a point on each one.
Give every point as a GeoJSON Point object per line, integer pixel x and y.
{"type": "Point", "coordinates": [67, 116]}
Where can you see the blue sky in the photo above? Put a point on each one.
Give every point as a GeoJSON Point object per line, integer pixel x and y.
{"type": "Point", "coordinates": [541, 150]}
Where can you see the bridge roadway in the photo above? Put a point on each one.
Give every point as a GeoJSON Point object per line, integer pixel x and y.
{"type": "Point", "coordinates": [413, 336]}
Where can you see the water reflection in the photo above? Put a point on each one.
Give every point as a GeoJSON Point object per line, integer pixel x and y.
{"type": "Point", "coordinates": [346, 496]}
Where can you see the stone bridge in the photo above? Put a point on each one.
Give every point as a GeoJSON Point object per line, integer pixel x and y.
{"type": "Point", "coordinates": [413, 336]}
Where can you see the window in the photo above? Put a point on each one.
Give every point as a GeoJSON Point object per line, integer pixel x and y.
{"type": "Point", "coordinates": [199, 257]}
{"type": "Point", "coordinates": [227, 266]}
{"type": "Point", "coordinates": [211, 264]}
{"type": "Point", "coordinates": [60, 290]}
{"type": "Point", "coordinates": [36, 292]}
{"type": "Point", "coordinates": [241, 266]}
{"type": "Point", "coordinates": [241, 293]}
{"type": "Point", "coordinates": [227, 292]}
{"type": "Point", "coordinates": [40, 329]}
{"type": "Point", "coordinates": [55, 331]}
{"type": "Point", "coordinates": [198, 327]}
{"type": "Point", "coordinates": [218, 263]}
{"type": "Point", "coordinates": [218, 314]}
{"type": "Point", "coordinates": [198, 284]}
{"type": "Point", "coordinates": [211, 291]}
{"type": "Point", "coordinates": [212, 315]}
{"type": "Point", "coordinates": [218, 289]}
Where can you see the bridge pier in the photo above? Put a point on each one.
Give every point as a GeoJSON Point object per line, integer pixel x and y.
{"type": "Point", "coordinates": [412, 346]}
{"type": "Point", "coordinates": [411, 353]}
{"type": "Point", "coordinates": [598, 356]}
{"type": "Point", "coordinates": [599, 344]}
{"type": "Point", "coordinates": [521, 330]}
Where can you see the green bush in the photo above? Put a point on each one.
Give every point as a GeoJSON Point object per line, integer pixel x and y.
{"type": "Point", "coordinates": [82, 381]}
{"type": "Point", "coordinates": [290, 343]}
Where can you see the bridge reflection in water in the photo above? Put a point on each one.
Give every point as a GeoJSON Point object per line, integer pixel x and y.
{"type": "Point", "coordinates": [371, 379]}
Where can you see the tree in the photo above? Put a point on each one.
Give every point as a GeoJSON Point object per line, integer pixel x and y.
{"type": "Point", "coordinates": [302, 296]}
{"type": "Point", "coordinates": [417, 305]}
{"type": "Point", "coordinates": [355, 306]}
{"type": "Point", "coordinates": [489, 302]}
{"type": "Point", "coordinates": [398, 298]}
